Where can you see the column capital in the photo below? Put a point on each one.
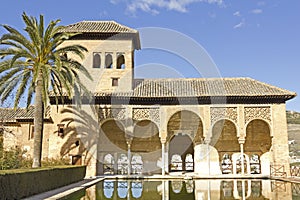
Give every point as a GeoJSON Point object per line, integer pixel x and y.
{"type": "Point", "coordinates": [163, 140]}
{"type": "Point", "coordinates": [207, 140]}
{"type": "Point", "coordinates": [242, 140]}
{"type": "Point", "coordinates": [129, 140]}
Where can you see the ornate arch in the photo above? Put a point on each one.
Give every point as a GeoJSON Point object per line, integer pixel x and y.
{"type": "Point", "coordinates": [221, 113]}
{"type": "Point", "coordinates": [145, 137]}
{"type": "Point", "coordinates": [224, 137]}
{"type": "Point", "coordinates": [187, 122]}
{"type": "Point", "coordinates": [114, 131]}
{"type": "Point", "coordinates": [151, 114]}
{"type": "Point", "coordinates": [258, 137]}
{"type": "Point", "coordinates": [262, 113]}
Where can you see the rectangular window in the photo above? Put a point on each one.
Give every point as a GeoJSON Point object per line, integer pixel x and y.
{"type": "Point", "coordinates": [60, 130]}
{"type": "Point", "coordinates": [31, 132]}
{"type": "Point", "coordinates": [115, 81]}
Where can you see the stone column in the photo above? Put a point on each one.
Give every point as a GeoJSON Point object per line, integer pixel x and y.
{"type": "Point", "coordinates": [128, 141]}
{"type": "Point", "coordinates": [163, 159]}
{"type": "Point", "coordinates": [115, 163]}
{"type": "Point", "coordinates": [242, 142]}
{"type": "Point", "coordinates": [167, 158]}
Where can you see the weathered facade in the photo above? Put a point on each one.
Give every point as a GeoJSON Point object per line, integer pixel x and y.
{"type": "Point", "coordinates": [137, 126]}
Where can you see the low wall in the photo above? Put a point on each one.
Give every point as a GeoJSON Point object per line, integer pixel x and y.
{"type": "Point", "coordinates": [16, 184]}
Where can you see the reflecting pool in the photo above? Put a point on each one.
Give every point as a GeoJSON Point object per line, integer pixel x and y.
{"type": "Point", "coordinates": [191, 189]}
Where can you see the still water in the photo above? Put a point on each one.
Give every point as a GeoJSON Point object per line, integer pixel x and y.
{"type": "Point", "coordinates": [190, 189]}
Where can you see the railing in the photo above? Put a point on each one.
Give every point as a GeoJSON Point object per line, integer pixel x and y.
{"type": "Point", "coordinates": [277, 170]}
{"type": "Point", "coordinates": [295, 171]}
{"type": "Point", "coordinates": [296, 189]}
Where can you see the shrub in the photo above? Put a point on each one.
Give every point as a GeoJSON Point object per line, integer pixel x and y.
{"type": "Point", "coordinates": [55, 162]}
{"type": "Point", "coordinates": [14, 159]}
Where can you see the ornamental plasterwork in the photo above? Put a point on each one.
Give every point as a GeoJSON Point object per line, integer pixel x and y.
{"type": "Point", "coordinates": [151, 114]}
{"type": "Point", "coordinates": [112, 113]}
{"type": "Point", "coordinates": [218, 113]}
{"type": "Point", "coordinates": [252, 113]}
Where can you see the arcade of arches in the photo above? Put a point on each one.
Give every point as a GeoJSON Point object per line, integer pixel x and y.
{"type": "Point", "coordinates": [189, 143]}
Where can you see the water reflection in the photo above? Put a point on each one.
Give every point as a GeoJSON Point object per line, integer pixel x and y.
{"type": "Point", "coordinates": [189, 189]}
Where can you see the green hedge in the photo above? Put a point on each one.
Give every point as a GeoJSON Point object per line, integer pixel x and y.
{"type": "Point", "coordinates": [20, 183]}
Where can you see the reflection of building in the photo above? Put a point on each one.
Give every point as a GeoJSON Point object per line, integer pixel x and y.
{"type": "Point", "coordinates": [141, 126]}
{"type": "Point", "coordinates": [191, 189]}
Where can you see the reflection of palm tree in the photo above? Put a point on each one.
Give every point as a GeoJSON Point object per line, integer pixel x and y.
{"type": "Point", "coordinates": [35, 64]}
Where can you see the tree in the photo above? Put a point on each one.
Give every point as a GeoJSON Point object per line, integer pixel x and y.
{"type": "Point", "coordinates": [34, 64]}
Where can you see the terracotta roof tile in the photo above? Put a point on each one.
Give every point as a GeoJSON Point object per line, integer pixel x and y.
{"type": "Point", "coordinates": [13, 115]}
{"type": "Point", "coordinates": [98, 27]}
{"type": "Point", "coordinates": [202, 87]}
{"type": "Point", "coordinates": [206, 87]}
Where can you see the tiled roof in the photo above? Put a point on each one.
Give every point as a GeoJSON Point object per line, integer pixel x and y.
{"type": "Point", "coordinates": [207, 87]}
{"type": "Point", "coordinates": [13, 115]}
{"type": "Point", "coordinates": [165, 91]}
{"type": "Point", "coordinates": [98, 27]}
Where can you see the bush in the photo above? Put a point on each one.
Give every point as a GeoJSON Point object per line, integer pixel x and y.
{"type": "Point", "coordinates": [14, 159]}
{"type": "Point", "coordinates": [55, 162]}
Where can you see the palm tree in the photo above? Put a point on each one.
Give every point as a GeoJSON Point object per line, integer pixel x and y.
{"type": "Point", "coordinates": [36, 63]}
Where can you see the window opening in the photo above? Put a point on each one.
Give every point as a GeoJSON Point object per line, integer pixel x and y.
{"type": "Point", "coordinates": [115, 82]}
{"type": "Point", "coordinates": [96, 60]}
{"type": "Point", "coordinates": [121, 62]}
{"type": "Point", "coordinates": [108, 61]}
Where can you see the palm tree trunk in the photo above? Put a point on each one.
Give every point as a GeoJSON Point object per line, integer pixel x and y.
{"type": "Point", "coordinates": [38, 122]}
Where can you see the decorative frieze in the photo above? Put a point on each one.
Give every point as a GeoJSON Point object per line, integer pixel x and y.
{"type": "Point", "coordinates": [151, 114]}
{"type": "Point", "coordinates": [112, 113]}
{"type": "Point", "coordinates": [218, 113]}
{"type": "Point", "coordinates": [252, 113]}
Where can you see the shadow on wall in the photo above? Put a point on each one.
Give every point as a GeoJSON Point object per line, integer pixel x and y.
{"type": "Point", "coordinates": [81, 131]}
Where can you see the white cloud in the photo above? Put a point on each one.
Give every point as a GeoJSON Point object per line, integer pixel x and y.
{"type": "Point", "coordinates": [240, 25]}
{"type": "Point", "coordinates": [153, 6]}
{"type": "Point", "coordinates": [237, 13]}
{"type": "Point", "coordinates": [256, 11]}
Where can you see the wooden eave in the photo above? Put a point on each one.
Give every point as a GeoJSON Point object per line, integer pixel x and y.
{"type": "Point", "coordinates": [133, 100]}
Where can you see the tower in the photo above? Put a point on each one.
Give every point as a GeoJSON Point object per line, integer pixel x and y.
{"type": "Point", "coordinates": [110, 56]}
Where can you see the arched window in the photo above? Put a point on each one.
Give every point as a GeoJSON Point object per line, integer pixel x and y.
{"type": "Point", "coordinates": [121, 62]}
{"type": "Point", "coordinates": [255, 164]}
{"type": "Point", "coordinates": [239, 164]}
{"type": "Point", "coordinates": [108, 61]}
{"type": "Point", "coordinates": [176, 162]}
{"type": "Point", "coordinates": [189, 162]}
{"type": "Point", "coordinates": [122, 164]}
{"type": "Point", "coordinates": [137, 164]}
{"type": "Point", "coordinates": [226, 164]}
{"type": "Point", "coordinates": [108, 164]}
{"type": "Point", "coordinates": [96, 60]}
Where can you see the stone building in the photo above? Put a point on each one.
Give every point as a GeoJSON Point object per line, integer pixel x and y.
{"type": "Point", "coordinates": [144, 126]}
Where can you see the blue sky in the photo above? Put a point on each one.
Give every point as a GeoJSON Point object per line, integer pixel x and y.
{"type": "Point", "coordinates": [245, 38]}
